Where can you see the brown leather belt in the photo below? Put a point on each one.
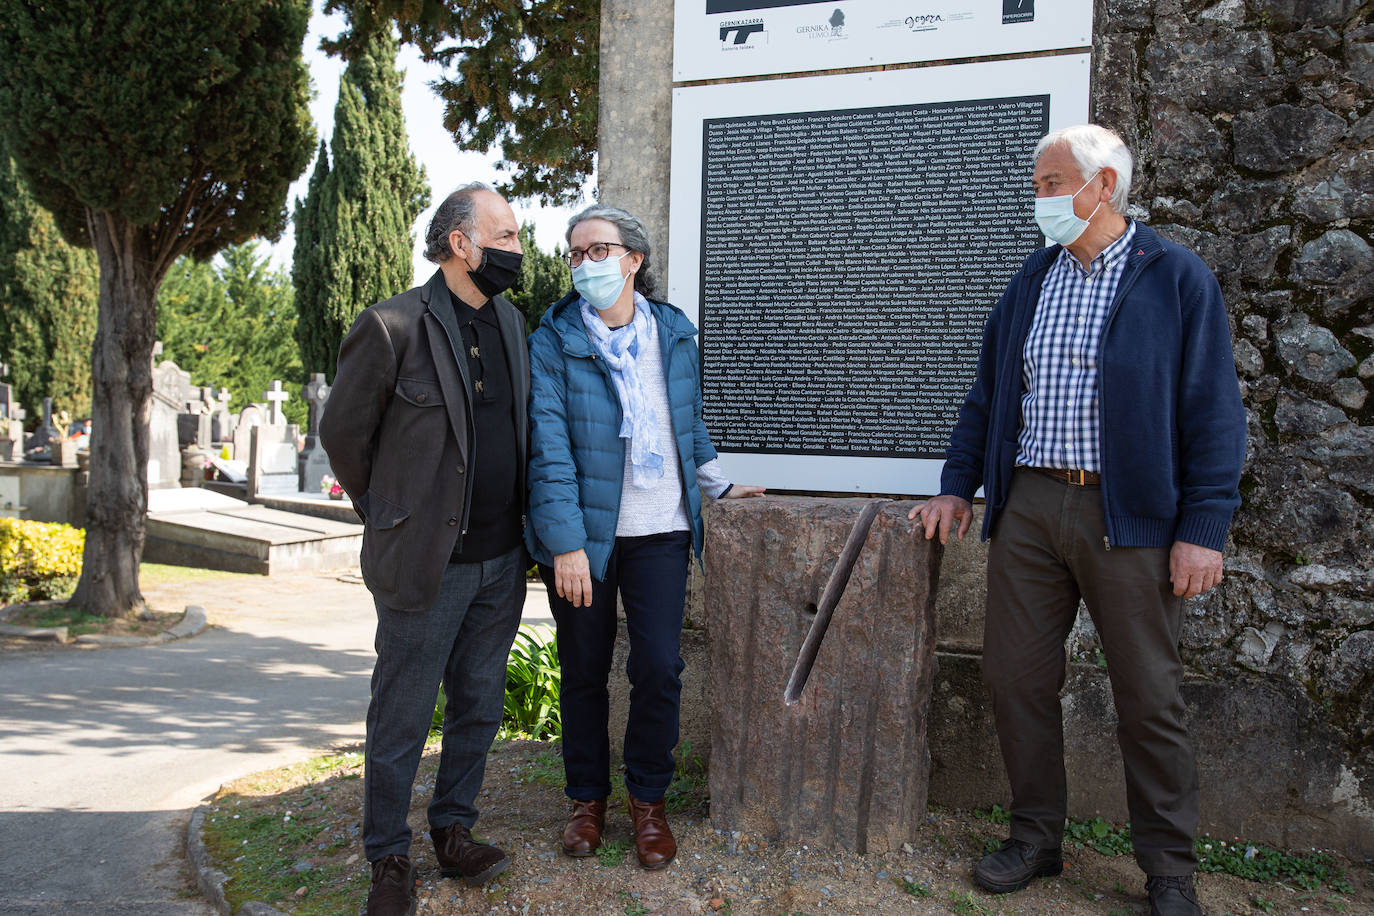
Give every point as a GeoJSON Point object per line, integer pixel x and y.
{"type": "Point", "coordinates": [1077, 478]}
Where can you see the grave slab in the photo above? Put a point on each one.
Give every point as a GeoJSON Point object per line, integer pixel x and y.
{"type": "Point", "coordinates": [198, 527]}
{"type": "Point", "coordinates": [849, 764]}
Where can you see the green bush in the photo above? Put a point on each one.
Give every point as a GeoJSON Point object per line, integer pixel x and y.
{"type": "Point", "coordinates": [38, 560]}
{"type": "Point", "coordinates": [532, 680]}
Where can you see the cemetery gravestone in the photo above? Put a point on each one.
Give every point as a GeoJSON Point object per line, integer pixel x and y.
{"type": "Point", "coordinates": [251, 416]}
{"type": "Point", "coordinates": [314, 463]}
{"type": "Point", "coordinates": [272, 467]}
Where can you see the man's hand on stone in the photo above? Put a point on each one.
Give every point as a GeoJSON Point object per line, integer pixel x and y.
{"type": "Point", "coordinates": [572, 577]}
{"type": "Point", "coordinates": [1193, 569]}
{"type": "Point", "coordinates": [940, 514]}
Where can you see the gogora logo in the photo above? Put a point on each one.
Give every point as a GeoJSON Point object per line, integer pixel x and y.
{"type": "Point", "coordinates": [924, 23]}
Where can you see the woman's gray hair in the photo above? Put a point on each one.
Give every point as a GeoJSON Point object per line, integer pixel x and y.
{"type": "Point", "coordinates": [457, 212]}
{"type": "Point", "coordinates": [1094, 148]}
{"type": "Point", "coordinates": [633, 236]}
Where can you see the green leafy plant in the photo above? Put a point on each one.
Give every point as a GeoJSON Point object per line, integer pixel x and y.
{"type": "Point", "coordinates": [688, 788]}
{"type": "Point", "coordinates": [532, 682]}
{"type": "Point", "coordinates": [1308, 871]}
{"type": "Point", "coordinates": [1099, 835]}
{"type": "Point", "coordinates": [612, 853]}
{"type": "Point", "coordinates": [964, 904]}
{"type": "Point", "coordinates": [996, 814]}
{"type": "Point", "coordinates": [914, 889]}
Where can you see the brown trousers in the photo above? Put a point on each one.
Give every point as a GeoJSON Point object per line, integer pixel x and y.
{"type": "Point", "coordinates": [1049, 550]}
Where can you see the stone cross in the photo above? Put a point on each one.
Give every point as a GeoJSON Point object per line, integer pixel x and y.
{"type": "Point", "coordinates": [316, 392]}
{"type": "Point", "coordinates": [275, 399]}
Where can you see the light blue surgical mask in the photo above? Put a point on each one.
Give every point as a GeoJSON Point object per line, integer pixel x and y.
{"type": "Point", "coordinates": [1056, 218]}
{"type": "Point", "coordinates": [599, 282]}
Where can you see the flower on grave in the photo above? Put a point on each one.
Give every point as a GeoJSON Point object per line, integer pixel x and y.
{"type": "Point", "coordinates": [330, 485]}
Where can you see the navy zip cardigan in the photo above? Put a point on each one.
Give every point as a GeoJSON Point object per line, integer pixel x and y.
{"type": "Point", "coordinates": [1171, 423]}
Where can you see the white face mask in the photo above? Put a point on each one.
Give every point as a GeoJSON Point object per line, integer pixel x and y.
{"type": "Point", "coordinates": [1056, 218]}
{"type": "Point", "coordinates": [599, 282]}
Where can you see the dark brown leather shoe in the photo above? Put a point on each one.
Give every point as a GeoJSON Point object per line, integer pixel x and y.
{"type": "Point", "coordinates": [582, 836]}
{"type": "Point", "coordinates": [393, 887]}
{"type": "Point", "coordinates": [460, 856]}
{"type": "Point", "coordinates": [1015, 865]}
{"type": "Point", "coordinates": [654, 843]}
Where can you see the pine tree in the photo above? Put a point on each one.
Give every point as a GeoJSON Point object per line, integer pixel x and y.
{"type": "Point", "coordinates": [150, 129]}
{"type": "Point", "coordinates": [521, 75]}
{"type": "Point", "coordinates": [354, 242]}
{"type": "Point", "coordinates": [48, 295]}
{"type": "Point", "coordinates": [544, 279]}
{"type": "Point", "coordinates": [231, 323]}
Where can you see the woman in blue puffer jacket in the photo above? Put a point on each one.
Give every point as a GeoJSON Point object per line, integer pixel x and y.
{"type": "Point", "coordinates": [619, 458]}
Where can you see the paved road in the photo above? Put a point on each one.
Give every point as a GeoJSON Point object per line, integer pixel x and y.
{"type": "Point", "coordinates": [103, 753]}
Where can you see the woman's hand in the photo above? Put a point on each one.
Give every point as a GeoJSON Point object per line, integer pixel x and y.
{"type": "Point", "coordinates": [572, 577]}
{"type": "Point", "coordinates": [742, 492]}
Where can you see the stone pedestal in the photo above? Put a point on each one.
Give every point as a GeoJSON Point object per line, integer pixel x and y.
{"type": "Point", "coordinates": [848, 765]}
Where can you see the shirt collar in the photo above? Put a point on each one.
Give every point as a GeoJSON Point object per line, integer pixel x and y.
{"type": "Point", "coordinates": [1107, 258]}
{"type": "Point", "coordinates": [467, 314]}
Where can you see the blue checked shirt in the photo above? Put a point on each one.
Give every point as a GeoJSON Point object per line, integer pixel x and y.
{"type": "Point", "coordinates": [1059, 373]}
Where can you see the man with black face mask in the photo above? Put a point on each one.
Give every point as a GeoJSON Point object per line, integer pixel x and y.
{"type": "Point", "coordinates": [426, 430]}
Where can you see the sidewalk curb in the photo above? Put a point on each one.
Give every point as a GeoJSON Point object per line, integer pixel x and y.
{"type": "Point", "coordinates": [192, 623]}
{"type": "Point", "coordinates": [210, 880]}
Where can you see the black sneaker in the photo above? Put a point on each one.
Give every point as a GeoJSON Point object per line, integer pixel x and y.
{"type": "Point", "coordinates": [1014, 866]}
{"type": "Point", "coordinates": [393, 887]}
{"type": "Point", "coordinates": [1172, 895]}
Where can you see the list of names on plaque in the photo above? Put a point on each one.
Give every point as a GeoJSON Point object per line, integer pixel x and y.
{"type": "Point", "coordinates": [849, 260]}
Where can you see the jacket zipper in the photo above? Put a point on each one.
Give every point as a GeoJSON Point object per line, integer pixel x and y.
{"type": "Point", "coordinates": [1123, 287]}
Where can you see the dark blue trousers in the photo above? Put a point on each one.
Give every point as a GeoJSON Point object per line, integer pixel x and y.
{"type": "Point", "coordinates": [650, 574]}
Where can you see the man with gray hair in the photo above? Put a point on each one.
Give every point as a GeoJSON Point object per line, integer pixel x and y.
{"type": "Point", "coordinates": [426, 429]}
{"type": "Point", "coordinates": [1106, 429]}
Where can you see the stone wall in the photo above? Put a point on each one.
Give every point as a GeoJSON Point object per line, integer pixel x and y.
{"type": "Point", "coordinates": [1252, 124]}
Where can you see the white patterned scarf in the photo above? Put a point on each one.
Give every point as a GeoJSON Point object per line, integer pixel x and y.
{"type": "Point", "coordinates": [618, 348]}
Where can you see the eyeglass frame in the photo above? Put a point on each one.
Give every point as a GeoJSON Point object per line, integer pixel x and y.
{"type": "Point", "coordinates": [581, 253]}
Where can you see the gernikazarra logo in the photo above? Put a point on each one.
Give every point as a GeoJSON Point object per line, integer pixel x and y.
{"type": "Point", "coordinates": [1018, 11]}
{"type": "Point", "coordinates": [741, 30]}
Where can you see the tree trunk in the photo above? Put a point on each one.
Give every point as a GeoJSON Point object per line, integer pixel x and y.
{"type": "Point", "coordinates": [123, 386]}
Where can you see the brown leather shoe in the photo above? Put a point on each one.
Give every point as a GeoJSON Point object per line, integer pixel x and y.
{"type": "Point", "coordinates": [582, 836]}
{"type": "Point", "coordinates": [460, 856]}
{"type": "Point", "coordinates": [654, 843]}
{"type": "Point", "coordinates": [393, 887]}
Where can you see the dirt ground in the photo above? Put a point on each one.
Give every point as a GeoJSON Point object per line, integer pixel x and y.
{"type": "Point", "coordinates": [524, 811]}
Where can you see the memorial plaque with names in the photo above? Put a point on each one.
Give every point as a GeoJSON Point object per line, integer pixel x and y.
{"type": "Point", "coordinates": [849, 259]}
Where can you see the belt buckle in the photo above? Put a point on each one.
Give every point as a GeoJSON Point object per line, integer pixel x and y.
{"type": "Point", "coordinates": [1080, 476]}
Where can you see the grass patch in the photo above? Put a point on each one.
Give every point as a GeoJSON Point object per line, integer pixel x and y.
{"type": "Point", "coordinates": [80, 623]}
{"type": "Point", "coordinates": [688, 791]}
{"type": "Point", "coordinates": [1098, 835]}
{"type": "Point", "coordinates": [996, 814]}
{"type": "Point", "coordinates": [543, 769]}
{"type": "Point", "coordinates": [1308, 871]}
{"type": "Point", "coordinates": [164, 574]}
{"type": "Point", "coordinates": [612, 854]}
{"type": "Point", "coordinates": [964, 904]}
{"type": "Point", "coordinates": [913, 888]}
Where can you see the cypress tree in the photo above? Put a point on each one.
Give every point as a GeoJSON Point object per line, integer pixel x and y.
{"type": "Point", "coordinates": [354, 244]}
{"type": "Point", "coordinates": [48, 295]}
{"type": "Point", "coordinates": [150, 129]}
{"type": "Point", "coordinates": [544, 278]}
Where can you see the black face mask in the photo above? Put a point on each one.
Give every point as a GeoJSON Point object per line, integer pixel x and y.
{"type": "Point", "coordinates": [498, 271]}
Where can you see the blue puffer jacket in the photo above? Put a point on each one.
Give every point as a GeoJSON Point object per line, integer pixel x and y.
{"type": "Point", "coordinates": [577, 458]}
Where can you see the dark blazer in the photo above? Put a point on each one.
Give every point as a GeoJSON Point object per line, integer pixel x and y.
{"type": "Point", "coordinates": [398, 430]}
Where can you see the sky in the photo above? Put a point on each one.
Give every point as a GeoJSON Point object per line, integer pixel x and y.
{"type": "Point", "coordinates": [446, 166]}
